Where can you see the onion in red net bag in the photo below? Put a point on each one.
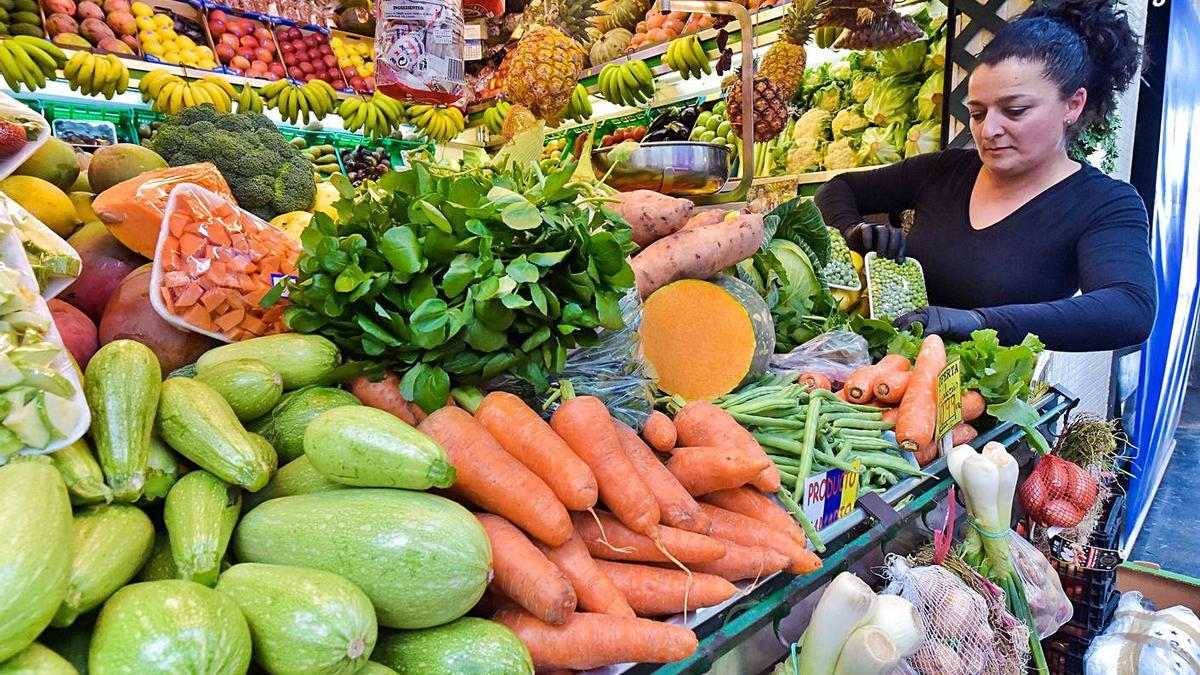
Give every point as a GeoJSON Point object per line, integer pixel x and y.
{"type": "Point", "coordinates": [1058, 493]}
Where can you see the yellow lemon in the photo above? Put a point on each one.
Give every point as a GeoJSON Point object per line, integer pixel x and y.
{"type": "Point", "coordinates": [153, 48]}
{"type": "Point", "coordinates": [141, 9]}
{"type": "Point", "coordinates": [356, 60]}
{"type": "Point", "coordinates": [144, 23]}
{"type": "Point", "coordinates": [172, 57]}
{"type": "Point", "coordinates": [185, 42]}
{"type": "Point", "coordinates": [367, 69]}
{"type": "Point", "coordinates": [189, 56]}
{"type": "Point", "coordinates": [344, 62]}
{"type": "Point", "coordinates": [335, 42]}
{"type": "Point", "coordinates": [207, 64]}
{"type": "Point", "coordinates": [205, 52]}
{"type": "Point", "coordinates": [163, 21]}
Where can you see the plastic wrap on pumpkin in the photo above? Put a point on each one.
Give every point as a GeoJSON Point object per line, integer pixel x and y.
{"type": "Point", "coordinates": [1058, 493]}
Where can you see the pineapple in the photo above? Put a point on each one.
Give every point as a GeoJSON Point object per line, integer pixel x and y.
{"type": "Point", "coordinates": [545, 64]}
{"type": "Point", "coordinates": [770, 108]}
{"type": "Point", "coordinates": [784, 62]}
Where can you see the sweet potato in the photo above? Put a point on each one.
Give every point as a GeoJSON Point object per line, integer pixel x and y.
{"type": "Point", "coordinates": [652, 215]}
{"type": "Point", "coordinates": [697, 253]}
{"type": "Point", "coordinates": [704, 218]}
{"type": "Point", "coordinates": [77, 331]}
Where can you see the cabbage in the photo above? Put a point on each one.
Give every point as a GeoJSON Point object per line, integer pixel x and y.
{"type": "Point", "coordinates": [903, 60]}
{"type": "Point", "coordinates": [841, 154]}
{"type": "Point", "coordinates": [813, 124]}
{"type": "Point", "coordinates": [866, 60]}
{"type": "Point", "coordinates": [929, 97]}
{"type": "Point", "coordinates": [849, 121]}
{"type": "Point", "coordinates": [798, 279]}
{"type": "Point", "coordinates": [935, 60]}
{"type": "Point", "coordinates": [827, 98]}
{"type": "Point", "coordinates": [881, 145]}
{"type": "Point", "coordinates": [862, 86]}
{"type": "Point", "coordinates": [923, 137]}
{"type": "Point", "coordinates": [840, 71]}
{"type": "Point", "coordinates": [890, 102]}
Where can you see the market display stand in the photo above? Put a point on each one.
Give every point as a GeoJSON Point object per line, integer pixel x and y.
{"type": "Point", "coordinates": [756, 630]}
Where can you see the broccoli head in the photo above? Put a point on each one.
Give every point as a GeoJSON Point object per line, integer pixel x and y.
{"type": "Point", "coordinates": [267, 175]}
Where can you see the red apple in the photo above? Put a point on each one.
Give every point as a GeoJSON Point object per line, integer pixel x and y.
{"type": "Point", "coordinates": [330, 60]}
{"type": "Point", "coordinates": [240, 62]}
{"type": "Point", "coordinates": [249, 41]}
{"type": "Point", "coordinates": [217, 15]}
{"type": "Point", "coordinates": [264, 55]}
{"type": "Point", "coordinates": [231, 40]}
{"type": "Point", "coordinates": [290, 59]}
{"type": "Point", "coordinates": [217, 27]}
{"type": "Point", "coordinates": [235, 27]}
{"type": "Point", "coordinates": [271, 76]}
{"type": "Point", "coordinates": [262, 33]}
{"type": "Point", "coordinates": [225, 52]}
{"type": "Point", "coordinates": [306, 67]}
{"type": "Point", "coordinates": [370, 81]}
{"type": "Point", "coordinates": [358, 83]}
{"type": "Point", "coordinates": [278, 69]}
{"type": "Point", "coordinates": [286, 47]}
{"type": "Point", "coordinates": [350, 72]}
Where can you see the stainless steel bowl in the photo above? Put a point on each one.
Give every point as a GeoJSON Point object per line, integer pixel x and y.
{"type": "Point", "coordinates": [679, 168]}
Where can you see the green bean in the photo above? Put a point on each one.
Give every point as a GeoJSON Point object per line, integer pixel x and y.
{"type": "Point", "coordinates": [865, 433]}
{"type": "Point", "coordinates": [833, 461]}
{"type": "Point", "coordinates": [779, 443]}
{"type": "Point", "coordinates": [831, 398]}
{"type": "Point", "coordinates": [863, 424]}
{"type": "Point", "coordinates": [872, 443]}
{"type": "Point", "coordinates": [844, 449]}
{"type": "Point", "coordinates": [790, 504]}
{"type": "Point", "coordinates": [810, 440]}
{"type": "Point", "coordinates": [781, 460]}
{"type": "Point", "coordinates": [886, 475]}
{"type": "Point", "coordinates": [885, 461]}
{"type": "Point", "coordinates": [760, 421]}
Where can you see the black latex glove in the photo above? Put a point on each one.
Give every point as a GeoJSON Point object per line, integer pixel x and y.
{"type": "Point", "coordinates": [886, 241]}
{"type": "Point", "coordinates": [954, 324]}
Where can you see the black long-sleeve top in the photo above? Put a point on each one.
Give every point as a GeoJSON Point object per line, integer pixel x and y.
{"type": "Point", "coordinates": [1088, 233]}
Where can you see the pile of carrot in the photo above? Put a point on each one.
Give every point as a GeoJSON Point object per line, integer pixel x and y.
{"type": "Point", "coordinates": [595, 532]}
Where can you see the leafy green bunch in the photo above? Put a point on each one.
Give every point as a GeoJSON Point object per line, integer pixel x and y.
{"type": "Point", "coordinates": [465, 274]}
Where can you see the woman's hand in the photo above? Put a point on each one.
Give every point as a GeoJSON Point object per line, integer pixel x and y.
{"type": "Point", "coordinates": [954, 324]}
{"type": "Point", "coordinates": [886, 241]}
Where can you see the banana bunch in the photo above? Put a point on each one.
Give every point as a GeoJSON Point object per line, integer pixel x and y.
{"type": "Point", "coordinates": [493, 117]}
{"type": "Point", "coordinates": [296, 102]}
{"type": "Point", "coordinates": [439, 124]}
{"type": "Point", "coordinates": [30, 61]}
{"type": "Point", "coordinates": [171, 93]}
{"type": "Point", "coordinates": [630, 83]}
{"type": "Point", "coordinates": [249, 100]}
{"type": "Point", "coordinates": [687, 57]}
{"type": "Point", "coordinates": [95, 74]}
{"type": "Point", "coordinates": [379, 115]}
{"type": "Point", "coordinates": [580, 107]}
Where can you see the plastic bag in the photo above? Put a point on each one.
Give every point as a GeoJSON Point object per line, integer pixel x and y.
{"type": "Point", "coordinates": [1058, 493]}
{"type": "Point", "coordinates": [835, 355]}
{"type": "Point", "coordinates": [214, 264]}
{"type": "Point", "coordinates": [419, 50]}
{"type": "Point", "coordinates": [1166, 642]}
{"type": "Point", "coordinates": [37, 131]}
{"type": "Point", "coordinates": [1049, 604]}
{"type": "Point", "coordinates": [55, 264]}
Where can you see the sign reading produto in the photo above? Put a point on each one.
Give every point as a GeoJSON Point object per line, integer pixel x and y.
{"type": "Point", "coordinates": [949, 398]}
{"type": "Point", "coordinates": [829, 496]}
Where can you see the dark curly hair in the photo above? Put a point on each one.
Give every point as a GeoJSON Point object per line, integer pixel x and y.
{"type": "Point", "coordinates": [1080, 43]}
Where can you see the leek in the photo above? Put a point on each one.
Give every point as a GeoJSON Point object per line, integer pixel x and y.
{"type": "Point", "coordinates": [901, 621]}
{"type": "Point", "coordinates": [844, 605]}
{"type": "Point", "coordinates": [868, 651]}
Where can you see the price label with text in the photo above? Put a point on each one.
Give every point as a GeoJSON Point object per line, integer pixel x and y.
{"type": "Point", "coordinates": [949, 398]}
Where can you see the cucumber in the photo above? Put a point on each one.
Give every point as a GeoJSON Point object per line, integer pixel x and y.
{"type": "Point", "coordinates": [122, 387]}
{"type": "Point", "coordinates": [300, 360]}
{"type": "Point", "coordinates": [37, 659]}
{"type": "Point", "coordinates": [200, 513]}
{"type": "Point", "coordinates": [161, 471]}
{"type": "Point", "coordinates": [365, 447]}
{"type": "Point", "coordinates": [169, 627]}
{"type": "Point", "coordinates": [81, 473]}
{"type": "Point", "coordinates": [110, 543]}
{"type": "Point", "coordinates": [198, 424]}
{"type": "Point", "coordinates": [284, 426]}
{"type": "Point", "coordinates": [423, 560]}
{"type": "Point", "coordinates": [295, 478]}
{"type": "Point", "coordinates": [35, 551]}
{"type": "Point", "coordinates": [284, 605]}
{"type": "Point", "coordinates": [161, 564]}
{"type": "Point", "coordinates": [248, 386]}
{"type": "Point", "coordinates": [468, 645]}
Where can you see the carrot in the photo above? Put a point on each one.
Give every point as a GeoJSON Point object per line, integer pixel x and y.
{"type": "Point", "coordinates": [675, 505]}
{"type": "Point", "coordinates": [584, 423]}
{"type": "Point", "coordinates": [744, 562]}
{"type": "Point", "coordinates": [841, 393]}
{"type": "Point", "coordinates": [814, 381]}
{"type": "Point", "coordinates": [973, 405]}
{"type": "Point", "coordinates": [860, 386]}
{"type": "Point", "coordinates": [384, 395]}
{"type": "Point", "coordinates": [595, 591]}
{"type": "Point", "coordinates": [654, 591]}
{"type": "Point", "coordinates": [889, 387]}
{"type": "Point", "coordinates": [927, 454]}
{"type": "Point", "coordinates": [707, 469]}
{"type": "Point", "coordinates": [742, 530]}
{"type": "Point", "coordinates": [659, 432]}
{"type": "Point", "coordinates": [492, 479]}
{"type": "Point", "coordinates": [527, 437]}
{"type": "Point", "coordinates": [522, 573]}
{"type": "Point", "coordinates": [610, 540]}
{"type": "Point", "coordinates": [588, 641]}
{"type": "Point", "coordinates": [754, 504]}
{"type": "Point", "coordinates": [701, 423]}
{"type": "Point", "coordinates": [962, 433]}
{"type": "Point", "coordinates": [890, 415]}
{"type": "Point", "coordinates": [918, 410]}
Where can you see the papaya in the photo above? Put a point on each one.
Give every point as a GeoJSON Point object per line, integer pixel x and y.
{"type": "Point", "coordinates": [110, 543]}
{"type": "Point", "coordinates": [198, 424]}
{"type": "Point", "coordinates": [200, 513]}
{"type": "Point", "coordinates": [122, 385]}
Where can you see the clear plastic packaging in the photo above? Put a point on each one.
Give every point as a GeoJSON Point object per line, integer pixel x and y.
{"type": "Point", "coordinates": [841, 271]}
{"type": "Point", "coordinates": [419, 49]}
{"type": "Point", "coordinates": [835, 355]}
{"type": "Point", "coordinates": [894, 289]}
{"type": "Point", "coordinates": [35, 127]}
{"type": "Point", "coordinates": [214, 265]}
{"type": "Point", "coordinates": [1049, 604]}
{"type": "Point", "coordinates": [1139, 640]}
{"type": "Point", "coordinates": [86, 133]}
{"type": "Point", "coordinates": [54, 263]}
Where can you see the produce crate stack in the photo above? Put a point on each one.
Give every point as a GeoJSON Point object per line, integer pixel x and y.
{"type": "Point", "coordinates": [175, 33]}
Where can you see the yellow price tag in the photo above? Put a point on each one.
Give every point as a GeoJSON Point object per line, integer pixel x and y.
{"type": "Point", "coordinates": [949, 398]}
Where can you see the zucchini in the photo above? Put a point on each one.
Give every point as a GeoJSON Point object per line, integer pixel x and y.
{"type": "Point", "coordinates": [300, 360]}
{"type": "Point", "coordinates": [200, 513]}
{"type": "Point", "coordinates": [81, 473]}
{"type": "Point", "coordinates": [294, 478]}
{"type": "Point", "coordinates": [284, 426]}
{"type": "Point", "coordinates": [248, 386]}
{"type": "Point", "coordinates": [198, 424]}
{"type": "Point", "coordinates": [35, 551]}
{"type": "Point", "coordinates": [110, 543]}
{"type": "Point", "coordinates": [365, 447]}
{"type": "Point", "coordinates": [122, 387]}
{"type": "Point", "coordinates": [161, 564]}
{"type": "Point", "coordinates": [37, 659]}
{"type": "Point", "coordinates": [161, 471]}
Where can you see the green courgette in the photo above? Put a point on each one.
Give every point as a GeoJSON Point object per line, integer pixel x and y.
{"type": "Point", "coordinates": [198, 424]}
{"type": "Point", "coordinates": [200, 513]}
{"type": "Point", "coordinates": [110, 543]}
{"type": "Point", "coordinates": [365, 447]}
{"type": "Point", "coordinates": [249, 386]}
{"type": "Point", "coordinates": [81, 472]}
{"type": "Point", "coordinates": [122, 387]}
{"type": "Point", "coordinates": [300, 360]}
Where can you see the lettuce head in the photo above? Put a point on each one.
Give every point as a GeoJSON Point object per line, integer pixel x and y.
{"type": "Point", "coordinates": [929, 97]}
{"type": "Point", "coordinates": [890, 102]}
{"type": "Point", "coordinates": [923, 137]}
{"type": "Point", "coordinates": [903, 60]}
{"type": "Point", "coordinates": [881, 145]}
